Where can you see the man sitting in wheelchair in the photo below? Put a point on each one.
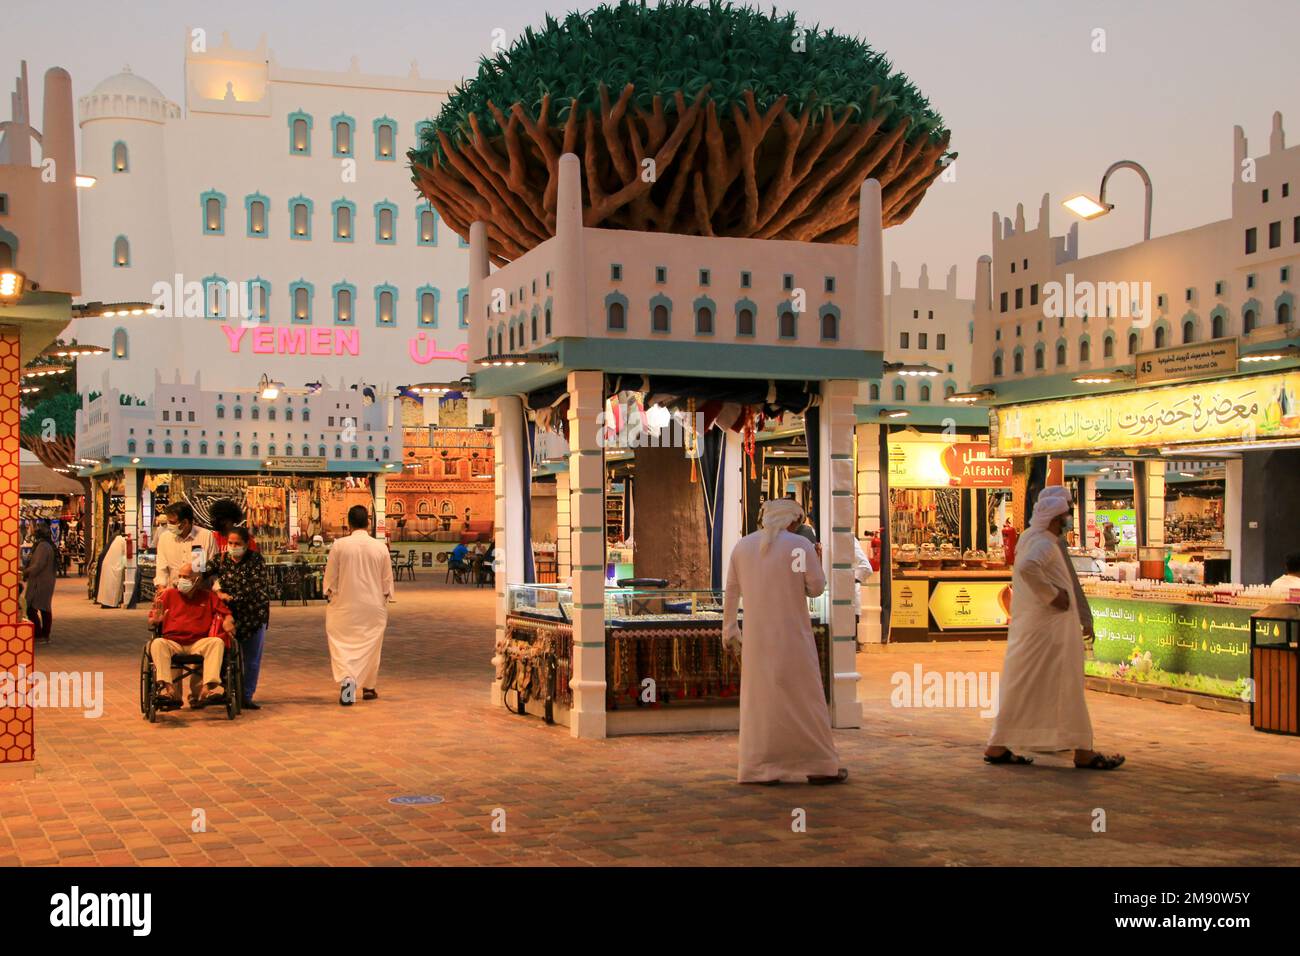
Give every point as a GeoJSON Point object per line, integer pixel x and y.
{"type": "Point", "coordinates": [194, 620]}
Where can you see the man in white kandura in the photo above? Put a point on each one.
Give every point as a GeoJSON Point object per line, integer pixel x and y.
{"type": "Point", "coordinates": [785, 724]}
{"type": "Point", "coordinates": [358, 583]}
{"type": "Point", "coordinates": [1041, 703]}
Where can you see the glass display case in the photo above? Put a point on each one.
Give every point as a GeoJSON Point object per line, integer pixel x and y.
{"type": "Point", "coordinates": [662, 647]}
{"type": "Point", "coordinates": [629, 607]}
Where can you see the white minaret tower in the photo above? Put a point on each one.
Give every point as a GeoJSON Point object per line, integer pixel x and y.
{"type": "Point", "coordinates": [126, 235]}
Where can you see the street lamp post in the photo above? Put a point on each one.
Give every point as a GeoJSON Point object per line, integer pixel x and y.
{"type": "Point", "coordinates": [1085, 207]}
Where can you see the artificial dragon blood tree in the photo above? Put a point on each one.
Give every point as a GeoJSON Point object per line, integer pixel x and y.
{"type": "Point", "coordinates": [695, 119]}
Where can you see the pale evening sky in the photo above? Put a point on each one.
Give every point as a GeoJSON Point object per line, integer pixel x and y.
{"type": "Point", "coordinates": [1032, 108]}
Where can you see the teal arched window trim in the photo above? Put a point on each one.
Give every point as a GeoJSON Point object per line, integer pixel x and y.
{"type": "Point", "coordinates": [220, 197]}
{"type": "Point", "coordinates": [655, 302]}
{"type": "Point", "coordinates": [420, 210]}
{"type": "Point", "coordinates": [741, 306]}
{"type": "Point", "coordinates": [125, 262]}
{"type": "Point", "coordinates": [249, 231]}
{"type": "Point", "coordinates": [265, 287]}
{"type": "Point", "coordinates": [391, 209]}
{"type": "Point", "coordinates": [822, 313]}
{"type": "Point", "coordinates": [781, 309]}
{"type": "Point", "coordinates": [462, 307]}
{"type": "Point", "coordinates": [392, 127]}
{"type": "Point", "coordinates": [121, 344]}
{"type": "Point", "coordinates": [295, 318]}
{"type": "Point", "coordinates": [334, 302]}
{"type": "Point", "coordinates": [294, 203]}
{"type": "Point", "coordinates": [223, 301]}
{"type": "Point", "coordinates": [619, 298]}
{"type": "Point", "coordinates": [126, 157]}
{"type": "Point", "coordinates": [294, 150]}
{"type": "Point", "coordinates": [704, 302]}
{"type": "Point", "coordinates": [351, 207]}
{"type": "Point", "coordinates": [1287, 299]}
{"type": "Point", "coordinates": [379, 291]}
{"type": "Point", "coordinates": [342, 119]}
{"type": "Point", "coordinates": [420, 293]}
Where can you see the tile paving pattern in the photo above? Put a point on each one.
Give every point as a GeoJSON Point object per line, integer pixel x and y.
{"type": "Point", "coordinates": [304, 781]}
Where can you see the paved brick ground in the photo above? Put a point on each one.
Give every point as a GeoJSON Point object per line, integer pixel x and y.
{"type": "Point", "coordinates": [306, 781]}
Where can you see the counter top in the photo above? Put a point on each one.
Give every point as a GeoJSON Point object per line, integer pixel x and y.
{"type": "Point", "coordinates": [919, 574]}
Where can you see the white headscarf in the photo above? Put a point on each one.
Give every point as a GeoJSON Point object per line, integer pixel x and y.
{"type": "Point", "coordinates": [1052, 502]}
{"type": "Point", "coordinates": [775, 516]}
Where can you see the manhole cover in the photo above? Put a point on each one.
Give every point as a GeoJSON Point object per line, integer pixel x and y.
{"type": "Point", "coordinates": [415, 800]}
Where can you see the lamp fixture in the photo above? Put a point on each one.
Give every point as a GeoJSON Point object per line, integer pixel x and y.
{"type": "Point", "coordinates": [970, 398]}
{"type": "Point", "coordinates": [1103, 378]}
{"type": "Point", "coordinates": [40, 371]}
{"type": "Point", "coordinates": [1273, 355]}
{"type": "Point", "coordinates": [520, 358]}
{"type": "Point", "coordinates": [11, 283]}
{"type": "Point", "coordinates": [90, 310]}
{"type": "Point", "coordinates": [270, 390]}
{"type": "Point", "coordinates": [73, 351]}
{"type": "Point", "coordinates": [85, 181]}
{"type": "Point", "coordinates": [1085, 207]}
{"type": "Point", "coordinates": [894, 413]}
{"type": "Point", "coordinates": [911, 369]}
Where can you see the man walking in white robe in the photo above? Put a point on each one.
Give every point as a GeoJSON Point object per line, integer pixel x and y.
{"type": "Point", "coordinates": [358, 583]}
{"type": "Point", "coordinates": [112, 571]}
{"type": "Point", "coordinates": [785, 724]}
{"type": "Point", "coordinates": [1041, 703]}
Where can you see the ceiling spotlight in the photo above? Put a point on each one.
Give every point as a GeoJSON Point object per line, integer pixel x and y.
{"type": "Point", "coordinates": [85, 181]}
{"type": "Point", "coordinates": [894, 413]}
{"type": "Point", "coordinates": [970, 398]}
{"type": "Point", "coordinates": [108, 310]}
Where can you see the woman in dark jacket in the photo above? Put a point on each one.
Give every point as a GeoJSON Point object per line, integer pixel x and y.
{"type": "Point", "coordinates": [39, 575]}
{"type": "Point", "coordinates": [246, 589]}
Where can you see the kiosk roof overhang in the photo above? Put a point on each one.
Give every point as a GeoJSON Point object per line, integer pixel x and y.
{"type": "Point", "coordinates": [704, 359]}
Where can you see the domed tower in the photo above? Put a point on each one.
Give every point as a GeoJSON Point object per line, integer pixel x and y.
{"type": "Point", "coordinates": [126, 235]}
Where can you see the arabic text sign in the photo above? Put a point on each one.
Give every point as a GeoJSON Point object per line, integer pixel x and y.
{"type": "Point", "coordinates": [941, 464]}
{"type": "Point", "coordinates": [1218, 357]}
{"type": "Point", "coordinates": [1262, 407]}
{"type": "Point", "coordinates": [908, 606]}
{"type": "Point", "coordinates": [962, 604]}
{"type": "Point", "coordinates": [283, 463]}
{"type": "Point", "coordinates": [1208, 639]}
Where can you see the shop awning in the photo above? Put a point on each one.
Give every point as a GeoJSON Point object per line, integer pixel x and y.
{"type": "Point", "coordinates": [35, 479]}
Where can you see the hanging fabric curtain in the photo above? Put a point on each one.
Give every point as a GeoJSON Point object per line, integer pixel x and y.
{"type": "Point", "coordinates": [526, 508]}
{"type": "Point", "coordinates": [812, 435]}
{"type": "Point", "coordinates": [713, 454]}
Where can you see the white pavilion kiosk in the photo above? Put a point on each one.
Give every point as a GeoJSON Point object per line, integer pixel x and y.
{"type": "Point", "coordinates": [590, 303]}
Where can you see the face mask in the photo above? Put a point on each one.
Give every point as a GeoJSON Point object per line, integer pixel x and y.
{"type": "Point", "coordinates": [185, 585]}
{"type": "Point", "coordinates": [236, 551]}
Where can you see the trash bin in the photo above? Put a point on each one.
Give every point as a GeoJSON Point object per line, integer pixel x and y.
{"type": "Point", "coordinates": [1274, 658]}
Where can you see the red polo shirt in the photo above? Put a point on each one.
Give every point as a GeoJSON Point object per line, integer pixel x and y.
{"type": "Point", "coordinates": [189, 618]}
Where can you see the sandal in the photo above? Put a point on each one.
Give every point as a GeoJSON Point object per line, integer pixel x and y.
{"type": "Point", "coordinates": [1101, 762]}
{"type": "Point", "coordinates": [212, 695]}
{"type": "Point", "coordinates": [827, 781]}
{"type": "Point", "coordinates": [1008, 757]}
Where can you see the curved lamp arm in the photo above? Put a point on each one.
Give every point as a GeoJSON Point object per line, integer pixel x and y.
{"type": "Point", "coordinates": [1146, 180]}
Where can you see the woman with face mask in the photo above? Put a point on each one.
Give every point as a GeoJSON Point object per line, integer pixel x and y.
{"type": "Point", "coordinates": [246, 589]}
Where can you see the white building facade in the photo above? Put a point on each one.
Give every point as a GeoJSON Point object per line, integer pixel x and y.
{"type": "Point", "coordinates": [275, 220]}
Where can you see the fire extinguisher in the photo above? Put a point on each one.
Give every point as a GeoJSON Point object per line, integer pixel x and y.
{"type": "Point", "coordinates": [129, 553]}
{"type": "Point", "coordinates": [876, 548]}
{"type": "Point", "coordinates": [1009, 538]}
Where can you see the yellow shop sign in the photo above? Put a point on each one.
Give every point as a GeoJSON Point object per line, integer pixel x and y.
{"type": "Point", "coordinates": [1256, 408]}
{"type": "Point", "coordinates": [959, 604]}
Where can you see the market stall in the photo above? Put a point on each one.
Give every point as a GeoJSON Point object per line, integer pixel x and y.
{"type": "Point", "coordinates": [665, 665]}
{"type": "Point", "coordinates": [949, 573]}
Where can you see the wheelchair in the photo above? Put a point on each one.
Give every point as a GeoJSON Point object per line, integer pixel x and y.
{"type": "Point", "coordinates": [190, 665]}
